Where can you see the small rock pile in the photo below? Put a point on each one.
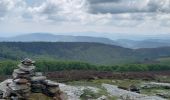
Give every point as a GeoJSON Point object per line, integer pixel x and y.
{"type": "Point", "coordinates": [26, 81]}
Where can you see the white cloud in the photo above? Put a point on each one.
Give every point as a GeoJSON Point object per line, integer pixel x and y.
{"type": "Point", "coordinates": [112, 13]}
{"type": "Point", "coordinates": [59, 10]}
{"type": "Point", "coordinates": [66, 11]}
{"type": "Point", "coordinates": [11, 9]}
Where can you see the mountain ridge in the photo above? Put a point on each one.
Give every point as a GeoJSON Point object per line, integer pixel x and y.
{"type": "Point", "coordinates": [96, 53]}
{"type": "Point", "coordinates": [127, 43]}
{"type": "Point", "coordinates": [47, 37]}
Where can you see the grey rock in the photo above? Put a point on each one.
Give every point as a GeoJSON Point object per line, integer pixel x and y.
{"type": "Point", "coordinates": [124, 94]}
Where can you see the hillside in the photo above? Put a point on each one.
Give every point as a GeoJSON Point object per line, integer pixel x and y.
{"type": "Point", "coordinates": [80, 51]}
{"type": "Point", "coordinates": [149, 43]}
{"type": "Point", "coordinates": [87, 52]}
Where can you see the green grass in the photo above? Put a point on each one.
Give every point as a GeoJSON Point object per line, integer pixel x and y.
{"type": "Point", "coordinates": [164, 60]}
{"type": "Point", "coordinates": [163, 79]}
{"type": "Point", "coordinates": [88, 94]}
{"type": "Point", "coordinates": [126, 83]}
{"type": "Point", "coordinates": [154, 91]}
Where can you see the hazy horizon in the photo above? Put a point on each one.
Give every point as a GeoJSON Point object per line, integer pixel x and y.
{"type": "Point", "coordinates": [118, 36]}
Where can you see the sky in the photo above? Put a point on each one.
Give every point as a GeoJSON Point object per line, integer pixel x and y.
{"type": "Point", "coordinates": [100, 17]}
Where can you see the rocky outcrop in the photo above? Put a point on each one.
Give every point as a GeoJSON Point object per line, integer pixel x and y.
{"type": "Point", "coordinates": [128, 95]}
{"type": "Point", "coordinates": [26, 81]}
{"type": "Point", "coordinates": [155, 85]}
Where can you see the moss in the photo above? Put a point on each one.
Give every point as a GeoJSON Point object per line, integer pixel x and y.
{"type": "Point", "coordinates": [88, 94]}
{"type": "Point", "coordinates": [112, 98]}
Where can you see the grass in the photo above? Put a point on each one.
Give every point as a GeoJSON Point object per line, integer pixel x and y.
{"type": "Point", "coordinates": [153, 91]}
{"type": "Point", "coordinates": [88, 94]}
{"type": "Point", "coordinates": [126, 83]}
{"type": "Point", "coordinates": [164, 60]}
{"type": "Point", "coordinates": [163, 79]}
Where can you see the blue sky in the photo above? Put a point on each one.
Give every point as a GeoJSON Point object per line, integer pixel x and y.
{"type": "Point", "coordinates": [102, 17]}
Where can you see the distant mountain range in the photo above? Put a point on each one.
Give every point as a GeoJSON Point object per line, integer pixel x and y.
{"type": "Point", "coordinates": [150, 43]}
{"type": "Point", "coordinates": [45, 37]}
{"type": "Point", "coordinates": [127, 43]}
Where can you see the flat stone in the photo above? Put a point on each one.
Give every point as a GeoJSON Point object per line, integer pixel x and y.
{"type": "Point", "coordinates": [26, 68]}
{"type": "Point", "coordinates": [38, 78]}
{"type": "Point", "coordinates": [38, 74]}
{"type": "Point", "coordinates": [20, 81]}
{"type": "Point", "coordinates": [18, 71]}
{"type": "Point", "coordinates": [20, 74]}
{"type": "Point", "coordinates": [51, 83]}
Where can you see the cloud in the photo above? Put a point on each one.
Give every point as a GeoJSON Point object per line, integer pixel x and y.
{"type": "Point", "coordinates": [5, 6]}
{"type": "Point", "coordinates": [131, 6]}
{"type": "Point", "coordinates": [59, 10]}
{"type": "Point", "coordinates": [86, 11]}
{"type": "Point", "coordinates": [102, 1]}
{"type": "Point", "coordinates": [66, 11]}
{"type": "Point", "coordinates": [112, 13]}
{"type": "Point", "coordinates": [11, 9]}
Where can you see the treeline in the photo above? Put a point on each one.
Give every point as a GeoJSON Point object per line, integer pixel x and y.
{"type": "Point", "coordinates": [6, 67]}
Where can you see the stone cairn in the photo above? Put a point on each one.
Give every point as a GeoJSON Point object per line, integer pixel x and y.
{"type": "Point", "coordinates": [26, 81]}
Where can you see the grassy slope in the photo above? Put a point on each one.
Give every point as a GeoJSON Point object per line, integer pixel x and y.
{"type": "Point", "coordinates": [165, 60]}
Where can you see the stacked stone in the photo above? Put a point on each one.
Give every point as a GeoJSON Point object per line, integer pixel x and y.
{"type": "Point", "coordinates": [26, 69]}
{"type": "Point", "coordinates": [26, 81]}
{"type": "Point", "coordinates": [37, 81]}
{"type": "Point", "coordinates": [39, 84]}
{"type": "Point", "coordinates": [20, 86]}
{"type": "Point", "coordinates": [51, 88]}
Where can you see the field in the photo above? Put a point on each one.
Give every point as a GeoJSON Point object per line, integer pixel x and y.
{"type": "Point", "coordinates": [165, 60]}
